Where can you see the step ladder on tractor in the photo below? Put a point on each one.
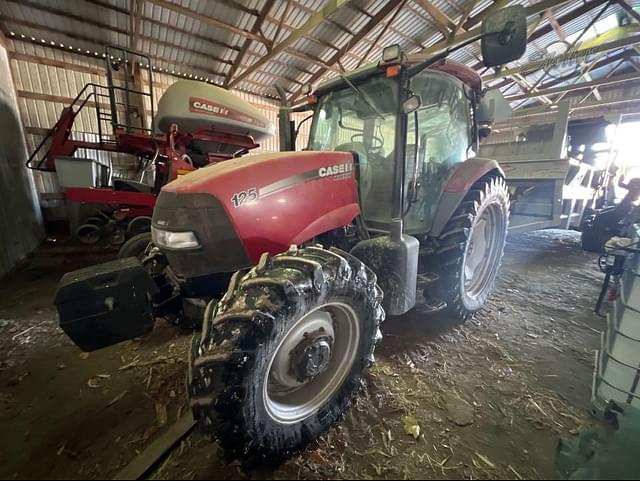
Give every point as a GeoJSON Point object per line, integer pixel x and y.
{"type": "Point", "coordinates": [172, 145]}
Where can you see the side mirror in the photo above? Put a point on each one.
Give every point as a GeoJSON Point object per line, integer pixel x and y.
{"type": "Point", "coordinates": [504, 36]}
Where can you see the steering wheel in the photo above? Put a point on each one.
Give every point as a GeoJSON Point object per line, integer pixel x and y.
{"type": "Point", "coordinates": [374, 138]}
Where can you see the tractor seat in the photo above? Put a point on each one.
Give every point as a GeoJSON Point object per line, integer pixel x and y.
{"type": "Point", "coordinates": [131, 186]}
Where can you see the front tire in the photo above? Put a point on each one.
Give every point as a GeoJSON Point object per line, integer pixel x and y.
{"type": "Point", "coordinates": [285, 351]}
{"type": "Point", "coordinates": [471, 248]}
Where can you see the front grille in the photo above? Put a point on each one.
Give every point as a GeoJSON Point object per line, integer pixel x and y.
{"type": "Point", "coordinates": [203, 214]}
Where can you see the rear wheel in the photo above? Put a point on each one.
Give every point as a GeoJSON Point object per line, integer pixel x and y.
{"type": "Point", "coordinates": [471, 249]}
{"type": "Point", "coordinates": [284, 352]}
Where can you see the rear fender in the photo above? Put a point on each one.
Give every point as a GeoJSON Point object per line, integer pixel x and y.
{"type": "Point", "coordinates": [459, 183]}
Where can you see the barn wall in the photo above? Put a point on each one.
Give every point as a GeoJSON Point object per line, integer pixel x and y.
{"type": "Point", "coordinates": [20, 221]}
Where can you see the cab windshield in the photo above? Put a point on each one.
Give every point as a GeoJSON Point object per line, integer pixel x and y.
{"type": "Point", "coordinates": [363, 119]}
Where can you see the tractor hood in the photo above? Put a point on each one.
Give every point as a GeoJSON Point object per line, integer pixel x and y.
{"type": "Point", "coordinates": [261, 203]}
{"type": "Point", "coordinates": [259, 170]}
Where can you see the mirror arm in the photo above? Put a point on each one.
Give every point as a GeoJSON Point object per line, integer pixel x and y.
{"type": "Point", "coordinates": [416, 69]}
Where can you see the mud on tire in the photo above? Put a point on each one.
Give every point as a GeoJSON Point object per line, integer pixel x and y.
{"type": "Point", "coordinates": [463, 300]}
{"type": "Point", "coordinates": [231, 360]}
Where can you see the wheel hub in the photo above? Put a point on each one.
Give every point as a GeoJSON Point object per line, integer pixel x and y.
{"type": "Point", "coordinates": [311, 363]}
{"type": "Point", "coordinates": [312, 356]}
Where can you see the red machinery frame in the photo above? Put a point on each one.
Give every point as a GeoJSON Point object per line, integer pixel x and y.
{"type": "Point", "coordinates": [168, 153]}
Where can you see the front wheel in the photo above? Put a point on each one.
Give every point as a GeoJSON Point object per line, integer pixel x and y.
{"type": "Point", "coordinates": [471, 249]}
{"type": "Point", "coordinates": [284, 352]}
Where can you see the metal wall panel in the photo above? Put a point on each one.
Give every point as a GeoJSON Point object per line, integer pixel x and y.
{"type": "Point", "coordinates": [20, 220]}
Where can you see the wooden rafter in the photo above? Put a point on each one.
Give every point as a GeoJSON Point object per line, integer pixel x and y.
{"type": "Point", "coordinates": [576, 87]}
{"type": "Point", "coordinates": [383, 30]}
{"type": "Point", "coordinates": [307, 27]}
{"type": "Point", "coordinates": [368, 27]}
{"type": "Point", "coordinates": [207, 19]}
{"type": "Point", "coordinates": [97, 42]}
{"type": "Point", "coordinates": [466, 14]}
{"type": "Point", "coordinates": [247, 42]}
{"type": "Point", "coordinates": [626, 56]}
{"type": "Point", "coordinates": [135, 19]}
{"type": "Point", "coordinates": [274, 40]}
{"type": "Point", "coordinates": [531, 10]}
{"type": "Point", "coordinates": [629, 9]}
{"type": "Point", "coordinates": [534, 66]}
{"type": "Point", "coordinates": [479, 17]}
{"type": "Point", "coordinates": [72, 16]}
{"type": "Point", "coordinates": [441, 20]}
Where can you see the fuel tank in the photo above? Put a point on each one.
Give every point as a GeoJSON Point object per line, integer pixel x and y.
{"type": "Point", "coordinates": [241, 208]}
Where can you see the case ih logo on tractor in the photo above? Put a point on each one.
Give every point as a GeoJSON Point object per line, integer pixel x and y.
{"type": "Point", "coordinates": [291, 287]}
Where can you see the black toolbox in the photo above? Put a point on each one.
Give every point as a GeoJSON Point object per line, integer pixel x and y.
{"type": "Point", "coordinates": [106, 304]}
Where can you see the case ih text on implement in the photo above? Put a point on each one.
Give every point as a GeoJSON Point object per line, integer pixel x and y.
{"type": "Point", "coordinates": [297, 256]}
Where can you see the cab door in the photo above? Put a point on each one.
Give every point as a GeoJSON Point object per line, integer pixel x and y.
{"type": "Point", "coordinates": [438, 139]}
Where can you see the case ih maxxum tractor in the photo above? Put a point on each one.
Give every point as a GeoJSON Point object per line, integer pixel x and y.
{"type": "Point", "coordinates": [297, 256]}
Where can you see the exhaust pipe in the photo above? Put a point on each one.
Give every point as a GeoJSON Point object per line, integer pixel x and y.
{"type": "Point", "coordinates": [286, 126]}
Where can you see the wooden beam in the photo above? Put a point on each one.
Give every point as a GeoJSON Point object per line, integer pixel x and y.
{"type": "Point", "coordinates": [626, 55]}
{"type": "Point", "coordinates": [212, 22]}
{"type": "Point", "coordinates": [533, 66]}
{"type": "Point", "coordinates": [466, 14]}
{"type": "Point", "coordinates": [575, 87]}
{"type": "Point", "coordinates": [578, 12]}
{"type": "Point", "coordinates": [308, 26]}
{"type": "Point", "coordinates": [274, 40]}
{"type": "Point", "coordinates": [442, 21]}
{"type": "Point", "coordinates": [97, 42]}
{"type": "Point", "coordinates": [135, 18]}
{"type": "Point", "coordinates": [104, 4]}
{"type": "Point", "coordinates": [152, 21]}
{"type": "Point", "coordinates": [387, 8]}
{"type": "Point", "coordinates": [479, 17]}
{"type": "Point", "coordinates": [589, 105]}
{"type": "Point", "coordinates": [531, 10]}
{"type": "Point", "coordinates": [257, 25]}
{"type": "Point", "coordinates": [382, 32]}
{"type": "Point", "coordinates": [629, 9]}
{"type": "Point", "coordinates": [69, 15]}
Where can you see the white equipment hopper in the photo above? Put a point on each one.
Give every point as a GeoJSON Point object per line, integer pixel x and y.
{"type": "Point", "coordinates": [196, 105]}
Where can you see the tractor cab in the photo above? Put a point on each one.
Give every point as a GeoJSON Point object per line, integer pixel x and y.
{"type": "Point", "coordinates": [441, 133]}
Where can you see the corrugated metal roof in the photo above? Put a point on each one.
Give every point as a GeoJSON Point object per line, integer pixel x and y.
{"type": "Point", "coordinates": [186, 35]}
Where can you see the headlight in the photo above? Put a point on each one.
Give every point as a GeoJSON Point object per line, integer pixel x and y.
{"type": "Point", "coordinates": [174, 240]}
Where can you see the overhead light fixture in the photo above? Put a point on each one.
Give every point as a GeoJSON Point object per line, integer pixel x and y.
{"type": "Point", "coordinates": [307, 89]}
{"type": "Point", "coordinates": [392, 53]}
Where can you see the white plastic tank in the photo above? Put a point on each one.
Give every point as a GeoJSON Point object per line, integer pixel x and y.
{"type": "Point", "coordinates": [195, 105]}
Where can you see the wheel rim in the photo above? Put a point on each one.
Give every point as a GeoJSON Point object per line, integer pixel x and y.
{"type": "Point", "coordinates": [482, 258]}
{"type": "Point", "coordinates": [89, 234]}
{"type": "Point", "coordinates": [307, 371]}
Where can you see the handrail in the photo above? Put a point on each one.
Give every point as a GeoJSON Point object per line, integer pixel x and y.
{"type": "Point", "coordinates": [94, 93]}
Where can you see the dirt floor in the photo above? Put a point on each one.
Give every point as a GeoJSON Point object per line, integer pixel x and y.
{"type": "Point", "coordinates": [487, 400]}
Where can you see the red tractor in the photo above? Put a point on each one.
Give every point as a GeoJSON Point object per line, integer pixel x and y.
{"type": "Point", "coordinates": [297, 256]}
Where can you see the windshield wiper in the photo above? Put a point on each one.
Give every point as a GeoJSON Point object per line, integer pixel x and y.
{"type": "Point", "coordinates": [363, 96]}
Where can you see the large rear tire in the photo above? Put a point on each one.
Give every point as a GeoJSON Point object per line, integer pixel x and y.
{"type": "Point", "coordinates": [282, 355]}
{"type": "Point", "coordinates": [471, 249]}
